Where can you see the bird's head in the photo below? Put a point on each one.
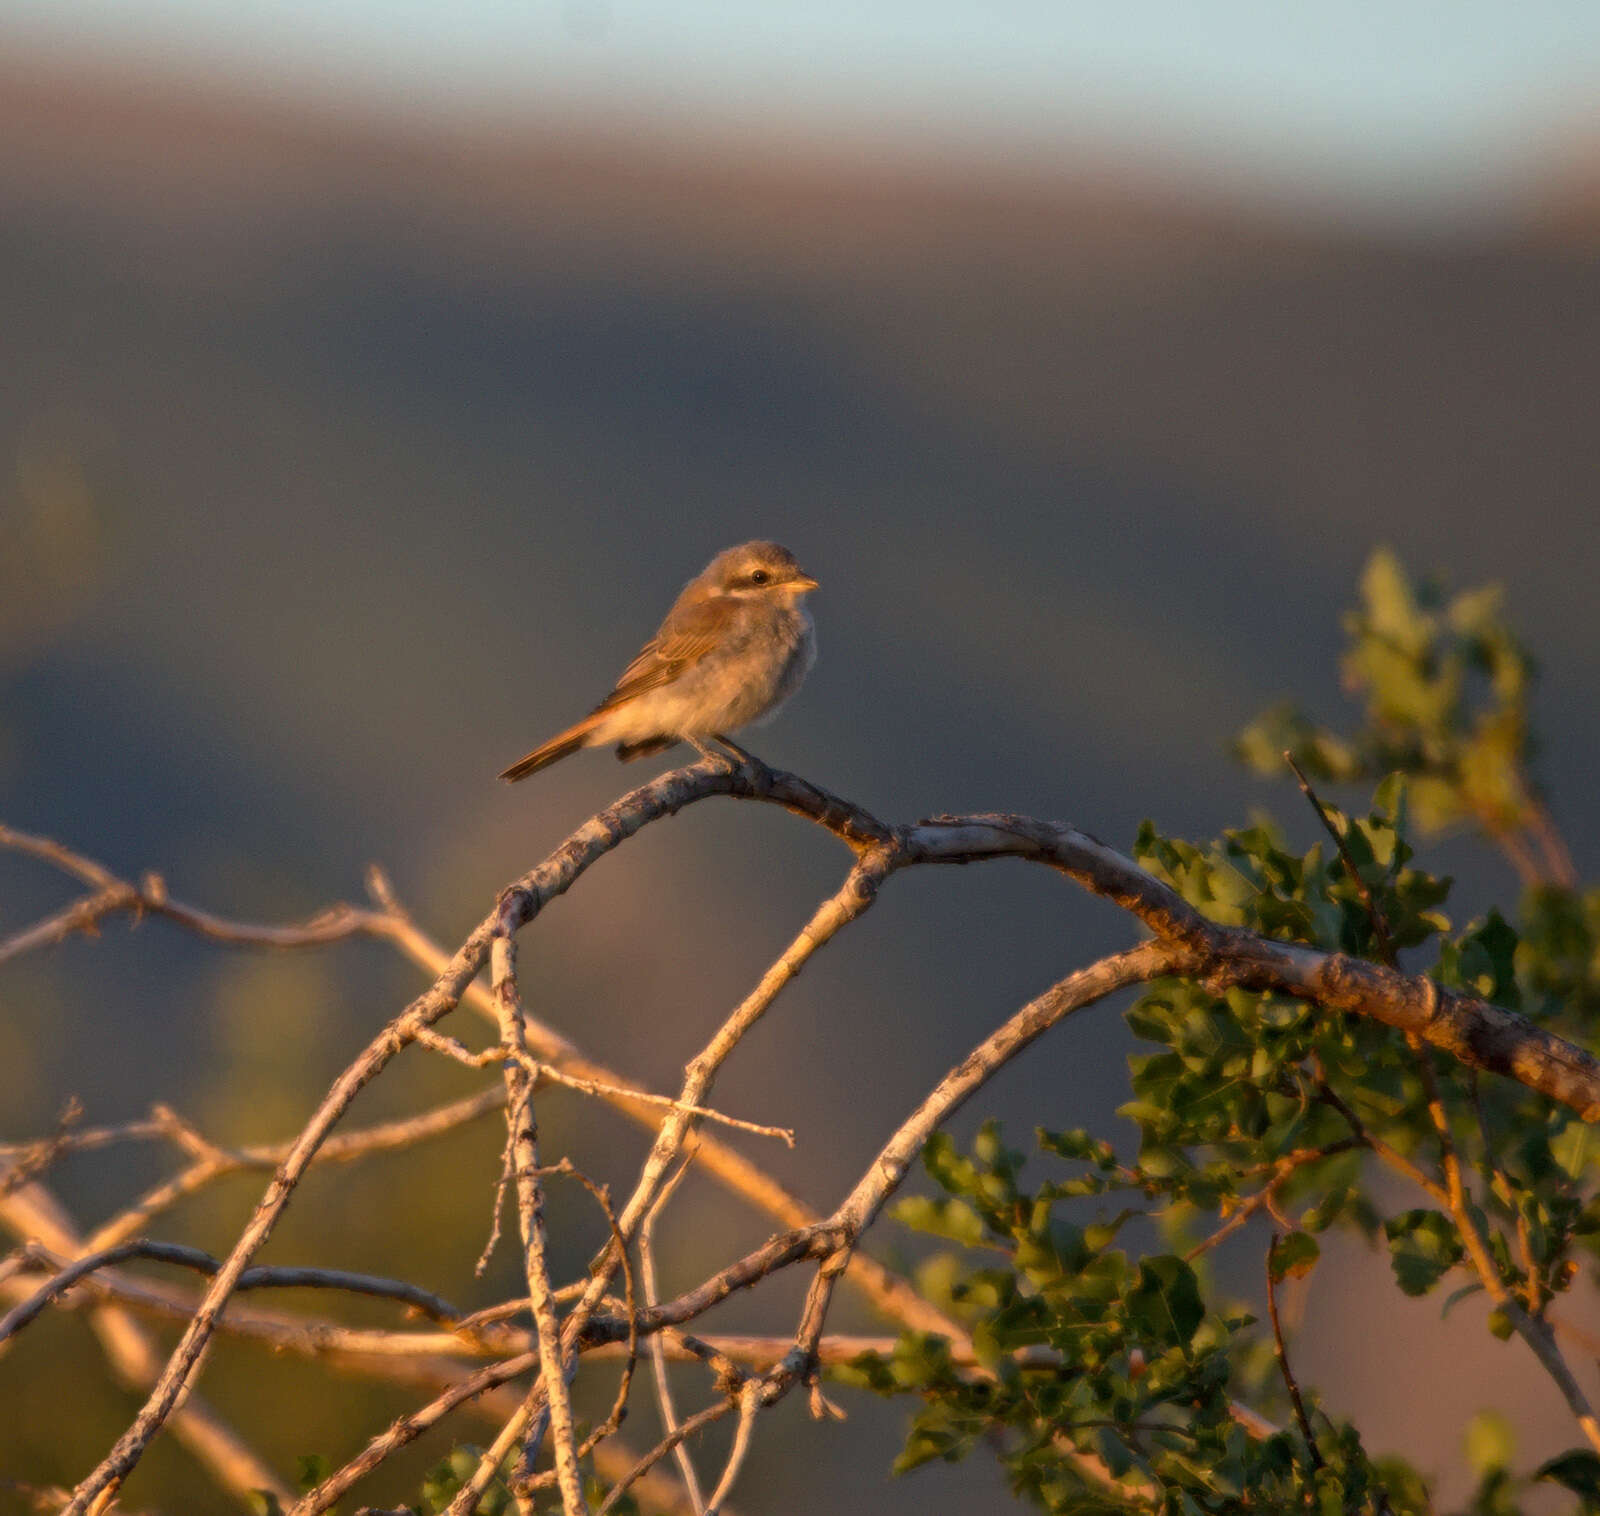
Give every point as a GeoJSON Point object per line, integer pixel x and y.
{"type": "Point", "coordinates": [758, 570]}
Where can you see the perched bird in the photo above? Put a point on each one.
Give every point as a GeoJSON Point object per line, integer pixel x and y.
{"type": "Point", "coordinates": [736, 644]}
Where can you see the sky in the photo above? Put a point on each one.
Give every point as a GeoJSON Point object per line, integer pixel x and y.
{"type": "Point", "coordinates": [1442, 98]}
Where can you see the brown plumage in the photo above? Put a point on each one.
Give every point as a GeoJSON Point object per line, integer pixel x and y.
{"type": "Point", "coordinates": [735, 645]}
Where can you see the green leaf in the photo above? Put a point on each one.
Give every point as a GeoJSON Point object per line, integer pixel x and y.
{"type": "Point", "coordinates": [1490, 1443]}
{"type": "Point", "coordinates": [1114, 1452]}
{"type": "Point", "coordinates": [1578, 1470]}
{"type": "Point", "coordinates": [1292, 1256]}
{"type": "Point", "coordinates": [1574, 1150]}
{"type": "Point", "coordinates": [1391, 607]}
{"type": "Point", "coordinates": [1165, 1304]}
{"type": "Point", "coordinates": [1455, 1297]}
{"type": "Point", "coordinates": [952, 1219]}
{"type": "Point", "coordinates": [1422, 1246]}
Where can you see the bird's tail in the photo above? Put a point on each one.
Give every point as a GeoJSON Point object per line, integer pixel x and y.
{"type": "Point", "coordinates": [558, 746]}
{"type": "Point", "coordinates": [628, 751]}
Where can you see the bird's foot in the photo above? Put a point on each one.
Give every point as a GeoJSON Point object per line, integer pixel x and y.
{"type": "Point", "coordinates": [744, 755]}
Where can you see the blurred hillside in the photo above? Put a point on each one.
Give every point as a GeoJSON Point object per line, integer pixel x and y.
{"type": "Point", "coordinates": [344, 458]}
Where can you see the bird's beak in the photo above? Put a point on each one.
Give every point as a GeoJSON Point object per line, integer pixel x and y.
{"type": "Point", "coordinates": [802, 583]}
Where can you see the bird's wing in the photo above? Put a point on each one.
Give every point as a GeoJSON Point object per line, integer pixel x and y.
{"type": "Point", "coordinates": [686, 636]}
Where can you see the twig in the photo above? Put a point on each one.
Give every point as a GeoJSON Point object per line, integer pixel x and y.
{"type": "Point", "coordinates": [111, 895]}
{"type": "Point", "coordinates": [1474, 1032]}
{"type": "Point", "coordinates": [695, 1423]}
{"type": "Point", "coordinates": [749, 1403]}
{"type": "Point", "coordinates": [193, 1258]}
{"type": "Point", "coordinates": [1375, 915]}
{"type": "Point", "coordinates": [658, 1346]}
{"type": "Point", "coordinates": [530, 1210]}
{"type": "Point", "coordinates": [1280, 1171]}
{"type": "Point", "coordinates": [545, 1071]}
{"type": "Point", "coordinates": [409, 1427]}
{"type": "Point", "coordinates": [227, 1459]}
{"type": "Point", "coordinates": [1282, 1356]}
{"type": "Point", "coordinates": [1525, 1322]}
{"type": "Point", "coordinates": [1559, 867]}
{"type": "Point", "coordinates": [630, 1302]}
{"type": "Point", "coordinates": [218, 1162]}
{"type": "Point", "coordinates": [501, 1184]}
{"type": "Point", "coordinates": [88, 1139]}
{"type": "Point", "coordinates": [887, 1291]}
{"type": "Point", "coordinates": [1390, 1156]}
{"type": "Point", "coordinates": [283, 1331]}
{"type": "Point", "coordinates": [33, 1159]}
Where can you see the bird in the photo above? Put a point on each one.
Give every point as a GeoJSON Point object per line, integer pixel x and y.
{"type": "Point", "coordinates": [735, 646]}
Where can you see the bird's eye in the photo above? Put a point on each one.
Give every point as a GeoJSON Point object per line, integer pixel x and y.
{"type": "Point", "coordinates": [759, 576]}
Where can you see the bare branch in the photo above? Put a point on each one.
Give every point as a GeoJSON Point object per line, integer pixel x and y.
{"type": "Point", "coordinates": [696, 1423]}
{"type": "Point", "coordinates": [1476, 1033]}
{"type": "Point", "coordinates": [1281, 1354]}
{"type": "Point", "coordinates": [252, 1279]}
{"type": "Point", "coordinates": [749, 1403]}
{"type": "Point", "coordinates": [658, 1344]}
{"type": "Point", "coordinates": [843, 1228]}
{"type": "Point", "coordinates": [408, 1428]}
{"type": "Point", "coordinates": [217, 1162]}
{"type": "Point", "coordinates": [891, 1294]}
{"type": "Point", "coordinates": [530, 1207]}
{"type": "Point", "coordinates": [112, 895]}
{"type": "Point", "coordinates": [228, 1460]}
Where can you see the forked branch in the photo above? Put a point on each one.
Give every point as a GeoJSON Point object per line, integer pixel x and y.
{"type": "Point", "coordinates": [1185, 943]}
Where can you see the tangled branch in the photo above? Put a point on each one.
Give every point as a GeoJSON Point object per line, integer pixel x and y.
{"type": "Point", "coordinates": [550, 1348]}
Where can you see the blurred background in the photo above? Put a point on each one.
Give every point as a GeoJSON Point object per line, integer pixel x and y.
{"type": "Point", "coordinates": [375, 374]}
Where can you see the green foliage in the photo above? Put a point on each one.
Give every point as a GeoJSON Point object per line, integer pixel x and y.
{"type": "Point", "coordinates": [445, 1479]}
{"type": "Point", "coordinates": [1293, 1256]}
{"type": "Point", "coordinates": [1097, 1360]}
{"type": "Point", "coordinates": [1109, 1372]}
{"type": "Point", "coordinates": [1579, 1471]}
{"type": "Point", "coordinates": [1558, 952]}
{"type": "Point", "coordinates": [1423, 1247]}
{"type": "Point", "coordinates": [1446, 688]}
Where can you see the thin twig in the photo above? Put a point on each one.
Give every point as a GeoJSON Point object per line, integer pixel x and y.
{"type": "Point", "coordinates": [1279, 1173]}
{"type": "Point", "coordinates": [852, 898]}
{"type": "Point", "coordinates": [111, 895]}
{"type": "Point", "coordinates": [501, 1184]}
{"type": "Point", "coordinates": [749, 1403]}
{"type": "Point", "coordinates": [227, 1459]}
{"type": "Point", "coordinates": [1558, 858]}
{"type": "Point", "coordinates": [1375, 914]}
{"type": "Point", "coordinates": [695, 1423]}
{"type": "Point", "coordinates": [33, 1159]}
{"type": "Point", "coordinates": [68, 1274]}
{"type": "Point", "coordinates": [218, 1162]}
{"type": "Point", "coordinates": [409, 1427]}
{"type": "Point", "coordinates": [1281, 1353]}
{"type": "Point", "coordinates": [530, 1210]}
{"type": "Point", "coordinates": [658, 1346]}
{"type": "Point", "coordinates": [1535, 1332]}
{"type": "Point", "coordinates": [1472, 1031]}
